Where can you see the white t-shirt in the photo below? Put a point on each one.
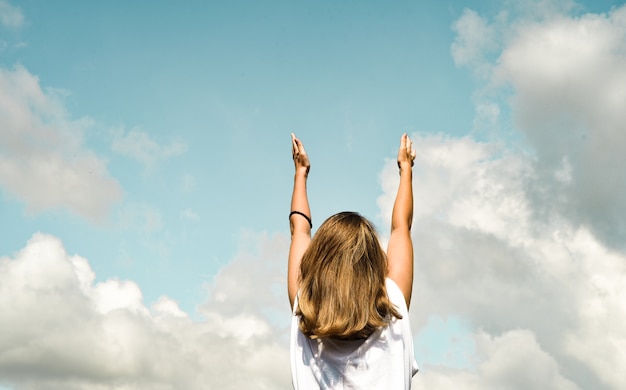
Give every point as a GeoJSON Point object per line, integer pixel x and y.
{"type": "Point", "coordinates": [382, 361]}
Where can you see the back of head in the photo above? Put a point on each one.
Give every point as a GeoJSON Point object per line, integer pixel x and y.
{"type": "Point", "coordinates": [342, 280]}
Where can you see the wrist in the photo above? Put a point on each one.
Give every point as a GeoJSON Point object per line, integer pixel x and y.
{"type": "Point", "coordinates": [302, 172]}
{"type": "Point", "coordinates": [405, 166]}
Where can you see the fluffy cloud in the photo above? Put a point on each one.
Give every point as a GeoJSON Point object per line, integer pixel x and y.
{"type": "Point", "coordinates": [62, 330]}
{"type": "Point", "coordinates": [564, 78]}
{"type": "Point", "coordinates": [525, 244]}
{"type": "Point", "coordinates": [515, 277]}
{"type": "Point", "coordinates": [42, 160]}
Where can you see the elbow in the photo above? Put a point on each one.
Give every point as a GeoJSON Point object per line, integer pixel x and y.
{"type": "Point", "coordinates": [401, 229]}
{"type": "Point", "coordinates": [402, 224]}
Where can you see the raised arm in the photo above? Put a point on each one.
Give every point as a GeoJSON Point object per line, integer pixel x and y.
{"type": "Point", "coordinates": [400, 249]}
{"type": "Point", "coordinates": [299, 218]}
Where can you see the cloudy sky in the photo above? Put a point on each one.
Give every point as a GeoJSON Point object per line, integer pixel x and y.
{"type": "Point", "coordinates": [145, 178]}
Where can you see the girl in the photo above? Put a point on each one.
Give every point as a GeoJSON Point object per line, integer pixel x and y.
{"type": "Point", "coordinates": [350, 326]}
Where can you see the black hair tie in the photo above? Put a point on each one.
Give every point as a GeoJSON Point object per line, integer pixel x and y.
{"type": "Point", "coordinates": [304, 215]}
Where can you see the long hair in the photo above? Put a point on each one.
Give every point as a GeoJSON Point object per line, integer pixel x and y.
{"type": "Point", "coordinates": [342, 281]}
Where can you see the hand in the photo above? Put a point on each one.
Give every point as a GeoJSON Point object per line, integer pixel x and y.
{"type": "Point", "coordinates": [300, 158]}
{"type": "Point", "coordinates": [406, 153]}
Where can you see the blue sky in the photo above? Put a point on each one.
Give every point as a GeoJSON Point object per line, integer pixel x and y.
{"type": "Point", "coordinates": [228, 85]}
{"type": "Point", "coordinates": [145, 151]}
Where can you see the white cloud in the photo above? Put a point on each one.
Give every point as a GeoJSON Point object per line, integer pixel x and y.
{"type": "Point", "coordinates": [139, 146]}
{"type": "Point", "coordinates": [484, 255]}
{"type": "Point", "coordinates": [42, 158]}
{"type": "Point", "coordinates": [62, 330]}
{"type": "Point", "coordinates": [474, 40]}
{"type": "Point", "coordinates": [10, 16]}
{"type": "Point", "coordinates": [564, 78]}
{"type": "Point", "coordinates": [529, 244]}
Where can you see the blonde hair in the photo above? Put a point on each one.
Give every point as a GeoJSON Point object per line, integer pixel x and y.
{"type": "Point", "coordinates": [342, 281]}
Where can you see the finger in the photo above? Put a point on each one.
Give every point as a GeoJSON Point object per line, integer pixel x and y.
{"type": "Point", "coordinates": [300, 146]}
{"type": "Point", "coordinates": [294, 144]}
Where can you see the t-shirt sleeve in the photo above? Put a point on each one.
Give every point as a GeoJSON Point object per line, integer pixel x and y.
{"type": "Point", "coordinates": [396, 297]}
